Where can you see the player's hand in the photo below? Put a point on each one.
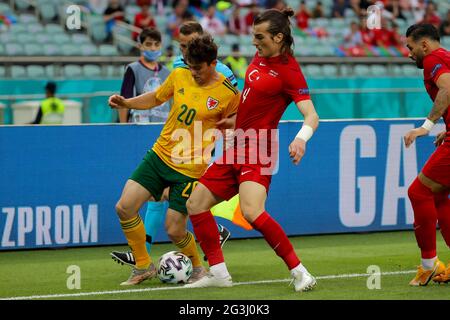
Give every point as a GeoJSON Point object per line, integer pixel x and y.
{"type": "Point", "coordinates": [411, 136]}
{"type": "Point", "coordinates": [117, 102]}
{"type": "Point", "coordinates": [226, 123]}
{"type": "Point", "coordinates": [297, 150]}
{"type": "Point", "coordinates": [439, 139]}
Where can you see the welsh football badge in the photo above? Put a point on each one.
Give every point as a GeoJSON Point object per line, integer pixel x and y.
{"type": "Point", "coordinates": [212, 103]}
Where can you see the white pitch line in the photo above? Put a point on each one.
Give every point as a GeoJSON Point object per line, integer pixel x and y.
{"type": "Point", "coordinates": [97, 293]}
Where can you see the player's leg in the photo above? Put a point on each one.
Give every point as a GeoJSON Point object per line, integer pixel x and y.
{"type": "Point", "coordinates": [154, 217]}
{"type": "Point", "coordinates": [442, 202]}
{"type": "Point", "coordinates": [422, 194]}
{"type": "Point", "coordinates": [205, 229]}
{"type": "Point", "coordinates": [253, 197]}
{"type": "Point", "coordinates": [133, 197]}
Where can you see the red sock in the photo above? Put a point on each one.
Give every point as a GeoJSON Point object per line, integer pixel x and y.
{"type": "Point", "coordinates": [442, 203]}
{"type": "Point", "coordinates": [425, 218]}
{"type": "Point", "coordinates": [277, 239]}
{"type": "Point", "coordinates": [207, 234]}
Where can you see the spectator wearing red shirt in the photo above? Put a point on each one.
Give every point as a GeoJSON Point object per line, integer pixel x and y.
{"type": "Point", "coordinates": [302, 16]}
{"type": "Point", "coordinates": [236, 23]}
{"type": "Point", "coordinates": [430, 16]}
{"type": "Point", "coordinates": [384, 37]}
{"type": "Point", "coordinates": [143, 19]}
{"type": "Point", "coordinates": [254, 11]}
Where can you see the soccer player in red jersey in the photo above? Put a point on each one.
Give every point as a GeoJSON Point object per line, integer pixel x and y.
{"type": "Point", "coordinates": [272, 81]}
{"type": "Point", "coordinates": [430, 190]}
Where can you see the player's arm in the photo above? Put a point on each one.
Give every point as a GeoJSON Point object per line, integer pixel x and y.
{"type": "Point", "coordinates": [440, 104]}
{"type": "Point", "coordinates": [310, 124]}
{"type": "Point", "coordinates": [144, 101]}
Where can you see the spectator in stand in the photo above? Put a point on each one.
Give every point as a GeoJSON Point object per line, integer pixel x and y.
{"type": "Point", "coordinates": [318, 11]}
{"type": "Point", "coordinates": [366, 33]}
{"type": "Point", "coordinates": [143, 19]}
{"type": "Point", "coordinates": [302, 16]}
{"type": "Point", "coordinates": [385, 37]}
{"type": "Point", "coordinates": [97, 6]}
{"type": "Point", "coordinates": [114, 12]}
{"type": "Point", "coordinates": [418, 9]}
{"type": "Point", "coordinates": [279, 5]}
{"type": "Point", "coordinates": [444, 29]}
{"type": "Point", "coordinates": [339, 7]}
{"type": "Point", "coordinates": [236, 23]}
{"type": "Point", "coordinates": [175, 20]}
{"type": "Point", "coordinates": [353, 37]}
{"type": "Point", "coordinates": [211, 23]}
{"type": "Point", "coordinates": [250, 16]}
{"type": "Point", "coordinates": [395, 9]}
{"type": "Point", "coordinates": [430, 16]}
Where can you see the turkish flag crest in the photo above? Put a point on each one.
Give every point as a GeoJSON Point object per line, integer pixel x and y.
{"type": "Point", "coordinates": [212, 103]}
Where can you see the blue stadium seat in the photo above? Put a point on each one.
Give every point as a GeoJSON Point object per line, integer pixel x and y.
{"type": "Point", "coordinates": [107, 50]}
{"type": "Point", "coordinates": [51, 49]}
{"type": "Point", "coordinates": [329, 70]}
{"type": "Point", "coordinates": [25, 38]}
{"type": "Point", "coordinates": [411, 71]}
{"type": "Point", "coordinates": [89, 49]}
{"type": "Point", "coordinates": [313, 70]}
{"type": "Point", "coordinates": [52, 28]}
{"type": "Point", "coordinates": [18, 72]}
{"type": "Point", "coordinates": [21, 4]}
{"type": "Point", "coordinates": [36, 71]}
{"type": "Point", "coordinates": [2, 72]}
{"type": "Point", "coordinates": [61, 38]}
{"type": "Point", "coordinates": [80, 38]}
{"type": "Point", "coordinates": [72, 71]}
{"type": "Point", "coordinates": [43, 38]}
{"type": "Point", "coordinates": [17, 28]}
{"type": "Point", "coordinates": [2, 50]}
{"type": "Point", "coordinates": [378, 70]}
{"type": "Point", "coordinates": [92, 71]}
{"type": "Point", "coordinates": [47, 10]}
{"type": "Point", "coordinates": [69, 49]}
{"type": "Point", "coordinates": [33, 49]}
{"type": "Point", "coordinates": [5, 9]}
{"type": "Point", "coordinates": [361, 70]}
{"type": "Point", "coordinates": [27, 18]}
{"type": "Point", "coordinates": [50, 71]}
{"type": "Point", "coordinates": [14, 49]}
{"type": "Point", "coordinates": [35, 28]}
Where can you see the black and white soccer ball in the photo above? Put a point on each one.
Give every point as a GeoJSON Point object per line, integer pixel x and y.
{"type": "Point", "coordinates": [174, 267]}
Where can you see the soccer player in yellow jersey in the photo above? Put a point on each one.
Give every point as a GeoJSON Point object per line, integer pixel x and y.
{"type": "Point", "coordinates": [203, 100]}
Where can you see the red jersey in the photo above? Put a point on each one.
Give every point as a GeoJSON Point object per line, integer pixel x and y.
{"type": "Point", "coordinates": [434, 65]}
{"type": "Point", "coordinates": [270, 86]}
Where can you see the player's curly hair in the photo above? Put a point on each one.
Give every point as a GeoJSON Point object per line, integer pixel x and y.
{"type": "Point", "coordinates": [201, 49]}
{"type": "Point", "coordinates": [278, 23]}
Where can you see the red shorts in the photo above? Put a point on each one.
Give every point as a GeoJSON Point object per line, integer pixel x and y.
{"type": "Point", "coordinates": [437, 167]}
{"type": "Point", "coordinates": [224, 179]}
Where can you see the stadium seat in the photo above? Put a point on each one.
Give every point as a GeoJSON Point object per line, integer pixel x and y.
{"type": "Point", "coordinates": [35, 71]}
{"type": "Point", "coordinates": [230, 39]}
{"type": "Point", "coordinates": [69, 49]}
{"type": "Point", "coordinates": [43, 38]}
{"type": "Point", "coordinates": [47, 10]}
{"type": "Point", "coordinates": [97, 28]}
{"type": "Point", "coordinates": [361, 70]}
{"type": "Point", "coordinates": [6, 37]}
{"type": "Point", "coordinates": [72, 71]}
{"type": "Point", "coordinates": [61, 38]}
{"type": "Point", "coordinates": [107, 50]}
{"type": "Point", "coordinates": [32, 49]}
{"type": "Point", "coordinates": [396, 70]}
{"type": "Point", "coordinates": [18, 28]}
{"type": "Point", "coordinates": [378, 70]}
{"type": "Point", "coordinates": [35, 28]}
{"type": "Point", "coordinates": [313, 70]}
{"type": "Point", "coordinates": [92, 71]}
{"type": "Point", "coordinates": [50, 71]}
{"type": "Point", "coordinates": [14, 49]}
{"type": "Point", "coordinates": [323, 51]}
{"type": "Point", "coordinates": [25, 38]}
{"type": "Point", "coordinates": [89, 49]}
{"type": "Point", "coordinates": [329, 70]}
{"type": "Point", "coordinates": [27, 18]}
{"type": "Point", "coordinates": [52, 28]}
{"type": "Point", "coordinates": [2, 50]}
{"type": "Point", "coordinates": [5, 9]}
{"type": "Point", "coordinates": [18, 72]}
{"type": "Point", "coordinates": [80, 38]}
{"type": "Point", "coordinates": [124, 47]}
{"type": "Point", "coordinates": [21, 4]}
{"type": "Point", "coordinates": [411, 70]}
{"type": "Point", "coordinates": [51, 49]}
{"type": "Point", "coordinates": [2, 72]}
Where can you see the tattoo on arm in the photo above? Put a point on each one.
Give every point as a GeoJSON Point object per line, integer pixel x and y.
{"type": "Point", "coordinates": [440, 105]}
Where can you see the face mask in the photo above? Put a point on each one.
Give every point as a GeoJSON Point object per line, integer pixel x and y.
{"type": "Point", "coordinates": [151, 55]}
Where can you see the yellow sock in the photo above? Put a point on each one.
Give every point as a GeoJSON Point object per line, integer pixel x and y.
{"type": "Point", "coordinates": [189, 248]}
{"type": "Point", "coordinates": [134, 231]}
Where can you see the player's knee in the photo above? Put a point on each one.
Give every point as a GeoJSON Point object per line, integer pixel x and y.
{"type": "Point", "coordinates": [122, 211]}
{"type": "Point", "coordinates": [250, 212]}
{"type": "Point", "coordinates": [192, 206]}
{"type": "Point", "coordinates": [175, 234]}
{"type": "Point", "coordinates": [417, 191]}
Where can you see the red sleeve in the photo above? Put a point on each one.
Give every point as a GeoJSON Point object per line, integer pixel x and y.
{"type": "Point", "coordinates": [295, 85]}
{"type": "Point", "coordinates": [433, 67]}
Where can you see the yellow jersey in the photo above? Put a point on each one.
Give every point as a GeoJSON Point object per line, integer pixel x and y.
{"type": "Point", "coordinates": [187, 138]}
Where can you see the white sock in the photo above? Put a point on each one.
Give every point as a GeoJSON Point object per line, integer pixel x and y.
{"type": "Point", "coordinates": [428, 264]}
{"type": "Point", "coordinates": [220, 270]}
{"type": "Point", "coordinates": [299, 268]}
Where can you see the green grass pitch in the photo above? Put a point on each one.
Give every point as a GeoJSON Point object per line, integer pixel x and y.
{"type": "Point", "coordinates": [340, 263]}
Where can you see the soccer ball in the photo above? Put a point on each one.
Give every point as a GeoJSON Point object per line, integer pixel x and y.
{"type": "Point", "coordinates": [174, 267]}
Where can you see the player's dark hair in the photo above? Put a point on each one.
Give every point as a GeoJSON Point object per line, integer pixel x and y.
{"type": "Point", "coordinates": [151, 33]}
{"type": "Point", "coordinates": [423, 30]}
{"type": "Point", "coordinates": [278, 23]}
{"type": "Point", "coordinates": [201, 49]}
{"type": "Point", "coordinates": [190, 27]}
